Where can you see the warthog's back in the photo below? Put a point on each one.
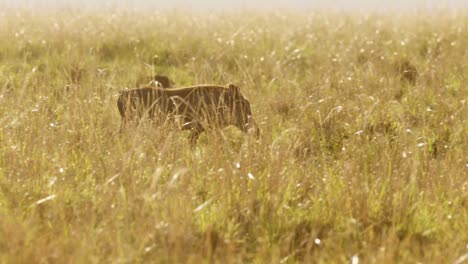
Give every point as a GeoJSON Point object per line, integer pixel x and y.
{"type": "Point", "coordinates": [198, 90]}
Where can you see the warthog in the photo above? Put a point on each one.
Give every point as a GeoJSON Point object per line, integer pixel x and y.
{"type": "Point", "coordinates": [157, 80]}
{"type": "Point", "coordinates": [196, 108]}
{"type": "Point", "coordinates": [407, 72]}
{"type": "Point", "coordinates": [161, 81]}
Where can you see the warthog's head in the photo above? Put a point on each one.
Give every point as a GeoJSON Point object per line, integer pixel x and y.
{"type": "Point", "coordinates": [241, 111]}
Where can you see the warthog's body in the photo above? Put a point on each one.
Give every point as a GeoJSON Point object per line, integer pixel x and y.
{"type": "Point", "coordinates": [196, 108]}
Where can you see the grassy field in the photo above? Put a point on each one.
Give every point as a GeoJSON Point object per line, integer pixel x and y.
{"type": "Point", "coordinates": [363, 154]}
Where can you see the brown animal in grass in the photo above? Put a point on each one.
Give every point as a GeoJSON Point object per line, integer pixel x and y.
{"type": "Point", "coordinates": [408, 72]}
{"type": "Point", "coordinates": [162, 81]}
{"type": "Point", "coordinates": [155, 81]}
{"type": "Point", "coordinates": [198, 107]}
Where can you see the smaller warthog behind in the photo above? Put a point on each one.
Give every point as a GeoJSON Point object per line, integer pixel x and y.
{"type": "Point", "coordinates": [197, 108]}
{"type": "Point", "coordinates": [161, 81]}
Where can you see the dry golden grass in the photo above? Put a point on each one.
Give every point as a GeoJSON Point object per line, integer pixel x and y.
{"type": "Point", "coordinates": [360, 158]}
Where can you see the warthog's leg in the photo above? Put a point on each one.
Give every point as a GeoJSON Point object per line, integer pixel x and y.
{"type": "Point", "coordinates": [122, 125]}
{"type": "Point", "coordinates": [194, 135]}
{"type": "Point", "coordinates": [195, 131]}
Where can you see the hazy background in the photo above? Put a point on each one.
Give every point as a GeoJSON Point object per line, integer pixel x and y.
{"type": "Point", "coordinates": [395, 5]}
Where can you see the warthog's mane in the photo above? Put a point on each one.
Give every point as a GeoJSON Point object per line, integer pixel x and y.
{"type": "Point", "coordinates": [186, 90]}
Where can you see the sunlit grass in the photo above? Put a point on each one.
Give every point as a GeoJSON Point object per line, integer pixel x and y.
{"type": "Point", "coordinates": [359, 159]}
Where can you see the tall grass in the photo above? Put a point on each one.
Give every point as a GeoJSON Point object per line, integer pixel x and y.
{"type": "Point", "coordinates": [356, 160]}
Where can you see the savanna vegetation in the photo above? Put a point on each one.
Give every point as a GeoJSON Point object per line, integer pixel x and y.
{"type": "Point", "coordinates": [362, 158]}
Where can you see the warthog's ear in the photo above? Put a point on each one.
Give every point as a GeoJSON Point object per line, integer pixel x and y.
{"type": "Point", "coordinates": [234, 88]}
